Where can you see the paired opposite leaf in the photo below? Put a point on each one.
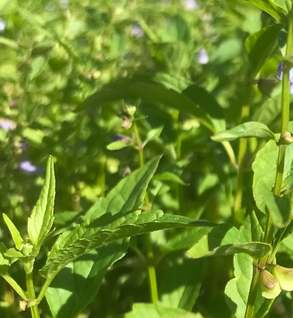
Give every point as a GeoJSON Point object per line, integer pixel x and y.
{"type": "Point", "coordinates": [246, 130]}
{"type": "Point", "coordinates": [41, 220]}
{"type": "Point", "coordinates": [18, 241]}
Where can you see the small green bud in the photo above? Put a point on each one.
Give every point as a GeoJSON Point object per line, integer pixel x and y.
{"type": "Point", "coordinates": [270, 287]}
{"type": "Point", "coordinates": [284, 276]}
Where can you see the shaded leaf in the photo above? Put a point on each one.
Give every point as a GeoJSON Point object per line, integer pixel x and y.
{"type": "Point", "coordinates": [260, 46]}
{"type": "Point", "coordinates": [78, 283]}
{"type": "Point", "coordinates": [134, 88]}
{"type": "Point", "coordinates": [180, 286]}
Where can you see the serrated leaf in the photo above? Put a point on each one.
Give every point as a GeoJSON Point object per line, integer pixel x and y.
{"type": "Point", "coordinates": [261, 45]}
{"type": "Point", "coordinates": [18, 241]}
{"type": "Point", "coordinates": [246, 130]}
{"type": "Point", "coordinates": [117, 145]}
{"type": "Point", "coordinates": [84, 238]}
{"type": "Point", "coordinates": [158, 311]}
{"type": "Point", "coordinates": [41, 219]}
{"type": "Point", "coordinates": [237, 289]}
{"type": "Point", "coordinates": [153, 134]}
{"type": "Point", "coordinates": [134, 88]}
{"type": "Point", "coordinates": [179, 287]}
{"type": "Point", "coordinates": [78, 283]}
{"type": "Point", "coordinates": [224, 240]}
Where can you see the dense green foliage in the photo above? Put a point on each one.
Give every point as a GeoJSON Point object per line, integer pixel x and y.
{"type": "Point", "coordinates": [167, 192]}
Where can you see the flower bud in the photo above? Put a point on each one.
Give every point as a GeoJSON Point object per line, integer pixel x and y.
{"type": "Point", "coordinates": [270, 287]}
{"type": "Point", "coordinates": [284, 276]}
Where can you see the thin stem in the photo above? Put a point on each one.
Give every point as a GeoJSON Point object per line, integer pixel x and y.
{"type": "Point", "coordinates": [150, 254]}
{"type": "Point", "coordinates": [31, 295]}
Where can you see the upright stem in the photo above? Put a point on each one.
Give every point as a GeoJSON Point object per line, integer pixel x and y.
{"type": "Point", "coordinates": [31, 295]}
{"type": "Point", "coordinates": [150, 254]}
{"type": "Point", "coordinates": [269, 232]}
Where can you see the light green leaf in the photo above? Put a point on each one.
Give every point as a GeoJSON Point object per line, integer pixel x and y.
{"type": "Point", "coordinates": [33, 135]}
{"type": "Point", "coordinates": [153, 134]}
{"type": "Point", "coordinates": [264, 168]}
{"type": "Point", "coordinates": [169, 176]}
{"type": "Point", "coordinates": [246, 130]}
{"type": "Point", "coordinates": [237, 289]}
{"type": "Point", "coordinates": [158, 311]}
{"type": "Point", "coordinates": [18, 241]}
{"type": "Point", "coordinates": [117, 145]}
{"type": "Point", "coordinates": [270, 7]}
{"type": "Point", "coordinates": [78, 283]}
{"type": "Point", "coordinates": [224, 240]}
{"type": "Point", "coordinates": [41, 219]}
{"type": "Point", "coordinates": [180, 285]}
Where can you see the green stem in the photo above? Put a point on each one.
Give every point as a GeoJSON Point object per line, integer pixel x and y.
{"type": "Point", "coordinates": [150, 254]}
{"type": "Point", "coordinates": [269, 233]}
{"type": "Point", "coordinates": [31, 295]}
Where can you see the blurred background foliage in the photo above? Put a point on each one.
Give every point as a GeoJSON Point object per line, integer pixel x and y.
{"type": "Point", "coordinates": [54, 54]}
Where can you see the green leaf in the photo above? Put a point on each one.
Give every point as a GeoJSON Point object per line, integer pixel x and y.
{"type": "Point", "coordinates": [180, 285]}
{"type": "Point", "coordinates": [78, 283]}
{"type": "Point", "coordinates": [153, 134]}
{"type": "Point", "coordinates": [169, 176]}
{"type": "Point", "coordinates": [88, 236]}
{"type": "Point", "coordinates": [264, 168]}
{"type": "Point", "coordinates": [117, 145]}
{"type": "Point", "coordinates": [270, 7]}
{"type": "Point", "coordinates": [158, 311]}
{"type": "Point", "coordinates": [134, 88]}
{"type": "Point", "coordinates": [246, 130]}
{"type": "Point", "coordinates": [237, 289]}
{"type": "Point", "coordinates": [18, 241]}
{"type": "Point", "coordinates": [224, 240]}
{"type": "Point", "coordinates": [41, 219]}
{"type": "Point", "coordinates": [260, 46]}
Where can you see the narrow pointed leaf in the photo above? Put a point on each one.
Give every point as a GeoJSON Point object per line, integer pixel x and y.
{"type": "Point", "coordinates": [246, 130]}
{"type": "Point", "coordinates": [41, 219]}
{"type": "Point", "coordinates": [18, 241]}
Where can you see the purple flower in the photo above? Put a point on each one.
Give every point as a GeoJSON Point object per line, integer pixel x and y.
{"type": "Point", "coordinates": [7, 124]}
{"type": "Point", "coordinates": [203, 57]}
{"type": "Point", "coordinates": [190, 4]}
{"type": "Point", "coordinates": [137, 31]}
{"type": "Point", "coordinates": [27, 167]}
{"type": "Point", "coordinates": [120, 137]}
{"type": "Point", "coordinates": [280, 75]}
{"type": "Point", "coordinates": [2, 25]}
